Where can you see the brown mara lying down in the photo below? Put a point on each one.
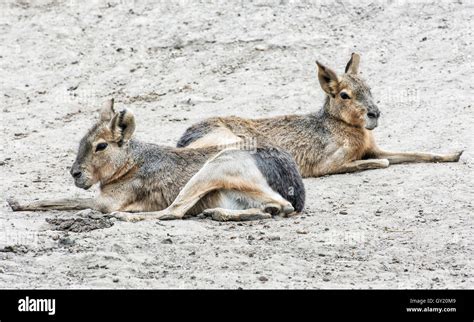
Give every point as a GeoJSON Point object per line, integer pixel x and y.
{"type": "Point", "coordinates": [141, 181]}
{"type": "Point", "coordinates": [337, 139]}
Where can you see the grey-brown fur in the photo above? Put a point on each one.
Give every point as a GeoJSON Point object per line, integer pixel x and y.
{"type": "Point", "coordinates": [158, 182]}
{"type": "Point", "coordinates": [336, 139]}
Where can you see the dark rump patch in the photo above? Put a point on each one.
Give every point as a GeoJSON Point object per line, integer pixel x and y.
{"type": "Point", "coordinates": [195, 132]}
{"type": "Point", "coordinates": [281, 173]}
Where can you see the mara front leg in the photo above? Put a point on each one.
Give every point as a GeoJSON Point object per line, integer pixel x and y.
{"type": "Point", "coordinates": [221, 214]}
{"type": "Point", "coordinates": [57, 204]}
{"type": "Point", "coordinates": [412, 157]}
{"type": "Point", "coordinates": [360, 165]}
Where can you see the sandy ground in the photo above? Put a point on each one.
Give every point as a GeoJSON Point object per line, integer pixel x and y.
{"type": "Point", "coordinates": [177, 62]}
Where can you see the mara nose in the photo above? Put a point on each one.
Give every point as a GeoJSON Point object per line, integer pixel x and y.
{"type": "Point", "coordinates": [373, 115]}
{"type": "Point", "coordinates": [76, 174]}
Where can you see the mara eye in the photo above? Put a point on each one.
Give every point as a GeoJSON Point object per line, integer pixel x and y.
{"type": "Point", "coordinates": [100, 147]}
{"type": "Point", "coordinates": [344, 96]}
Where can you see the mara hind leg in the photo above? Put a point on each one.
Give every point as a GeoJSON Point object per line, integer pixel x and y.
{"type": "Point", "coordinates": [411, 157]}
{"type": "Point", "coordinates": [232, 170]}
{"type": "Point", "coordinates": [56, 204]}
{"type": "Point", "coordinates": [264, 204]}
{"type": "Point", "coordinates": [234, 205]}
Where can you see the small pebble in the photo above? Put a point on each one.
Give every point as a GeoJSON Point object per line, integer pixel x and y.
{"type": "Point", "coordinates": [263, 278]}
{"type": "Point", "coordinates": [66, 241]}
{"type": "Point", "coordinates": [167, 241]}
{"type": "Point", "coordinates": [261, 47]}
{"type": "Point", "coordinates": [343, 212]}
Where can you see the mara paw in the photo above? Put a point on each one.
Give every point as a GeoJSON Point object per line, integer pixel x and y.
{"type": "Point", "coordinates": [456, 156]}
{"type": "Point", "coordinates": [277, 209]}
{"type": "Point", "coordinates": [14, 204]}
{"type": "Point", "coordinates": [383, 163]}
{"type": "Point", "coordinates": [126, 216]}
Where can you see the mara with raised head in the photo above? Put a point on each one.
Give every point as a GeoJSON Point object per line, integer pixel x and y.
{"type": "Point", "coordinates": [337, 139]}
{"type": "Point", "coordinates": [141, 181]}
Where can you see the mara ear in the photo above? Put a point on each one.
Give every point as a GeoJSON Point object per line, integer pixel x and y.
{"type": "Point", "coordinates": [352, 66]}
{"type": "Point", "coordinates": [122, 126]}
{"type": "Point", "coordinates": [327, 79]}
{"type": "Point", "coordinates": [107, 110]}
